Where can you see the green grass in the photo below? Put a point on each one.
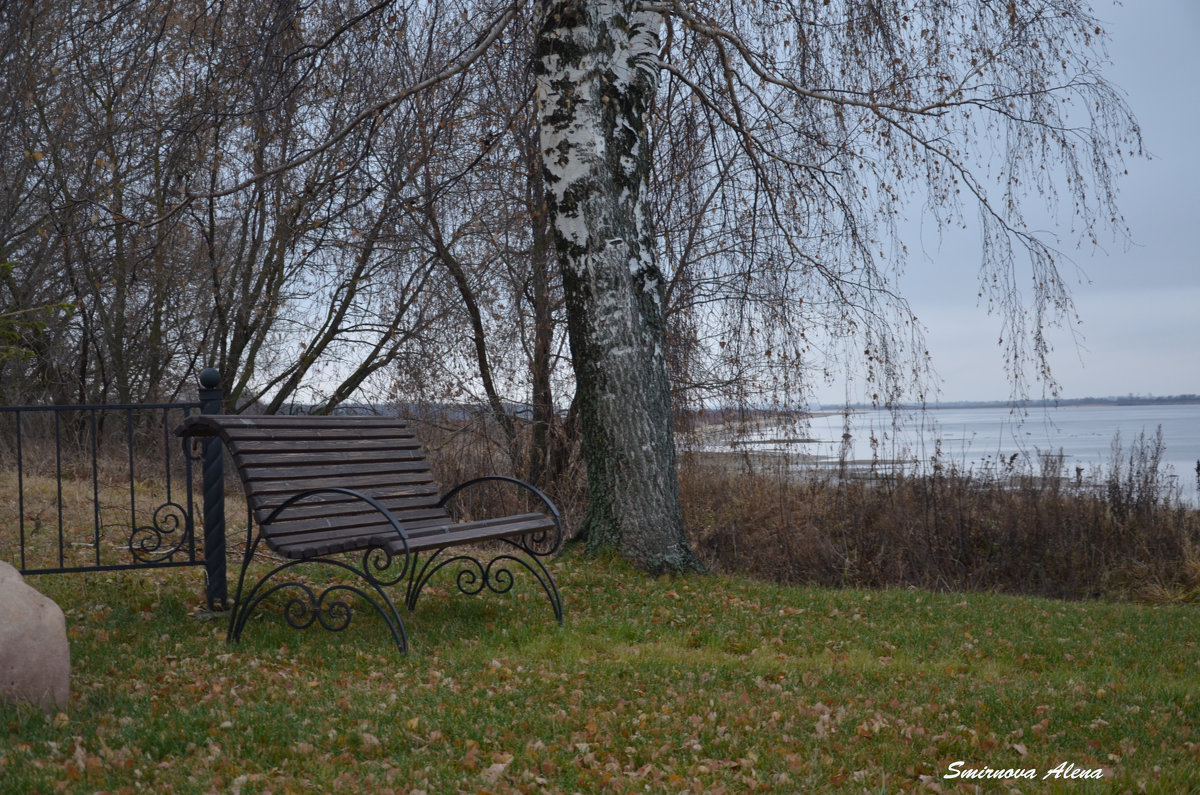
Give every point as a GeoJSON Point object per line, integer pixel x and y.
{"type": "Point", "coordinates": [693, 684]}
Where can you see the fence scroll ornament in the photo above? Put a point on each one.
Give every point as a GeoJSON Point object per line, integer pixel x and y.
{"type": "Point", "coordinates": [152, 543]}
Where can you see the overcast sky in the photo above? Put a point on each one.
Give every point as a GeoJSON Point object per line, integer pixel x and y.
{"type": "Point", "coordinates": [1140, 305]}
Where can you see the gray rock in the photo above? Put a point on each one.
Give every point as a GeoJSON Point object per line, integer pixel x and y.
{"type": "Point", "coordinates": [35, 659]}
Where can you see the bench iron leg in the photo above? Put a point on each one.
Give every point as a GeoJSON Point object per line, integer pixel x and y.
{"type": "Point", "coordinates": [309, 607]}
{"type": "Point", "coordinates": [475, 575]}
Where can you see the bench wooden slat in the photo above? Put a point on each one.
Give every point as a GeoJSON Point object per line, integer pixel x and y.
{"type": "Point", "coordinates": [333, 504]}
{"type": "Point", "coordinates": [360, 453]}
{"type": "Point", "coordinates": [307, 521]}
{"type": "Point", "coordinates": [244, 434]}
{"type": "Point", "coordinates": [417, 498]}
{"type": "Point", "coordinates": [309, 420]}
{"type": "Point", "coordinates": [294, 421]}
{"type": "Point", "coordinates": [350, 464]}
{"type": "Point", "coordinates": [475, 532]}
{"type": "Point", "coordinates": [275, 471]}
{"type": "Point", "coordinates": [411, 519]}
{"type": "Point", "coordinates": [288, 539]}
{"type": "Point", "coordinates": [333, 446]}
{"type": "Point", "coordinates": [328, 543]}
{"type": "Point", "coordinates": [400, 482]}
{"type": "Point", "coordinates": [415, 494]}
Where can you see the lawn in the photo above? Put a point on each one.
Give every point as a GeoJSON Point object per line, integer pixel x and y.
{"type": "Point", "coordinates": [692, 684]}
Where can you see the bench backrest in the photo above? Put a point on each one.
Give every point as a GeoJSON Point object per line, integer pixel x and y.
{"type": "Point", "coordinates": [280, 456]}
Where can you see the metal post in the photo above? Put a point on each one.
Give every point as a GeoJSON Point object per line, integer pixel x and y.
{"type": "Point", "coordinates": [211, 397]}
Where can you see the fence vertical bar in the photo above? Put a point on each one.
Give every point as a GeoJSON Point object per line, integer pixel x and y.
{"type": "Point", "coordinates": [21, 487]}
{"type": "Point", "coordinates": [95, 485]}
{"type": "Point", "coordinates": [58, 477]}
{"type": "Point", "coordinates": [132, 467]}
{"type": "Point", "coordinates": [216, 591]}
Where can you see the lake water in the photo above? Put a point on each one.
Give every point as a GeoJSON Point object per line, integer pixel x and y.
{"type": "Point", "coordinates": [970, 437]}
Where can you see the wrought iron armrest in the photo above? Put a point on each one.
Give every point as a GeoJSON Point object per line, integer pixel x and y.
{"type": "Point", "coordinates": [192, 435]}
{"type": "Point", "coordinates": [194, 425]}
{"type": "Point", "coordinates": [358, 495]}
{"type": "Point", "coordinates": [551, 508]}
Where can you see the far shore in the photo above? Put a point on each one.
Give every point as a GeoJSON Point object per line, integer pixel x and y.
{"type": "Point", "coordinates": [1132, 400]}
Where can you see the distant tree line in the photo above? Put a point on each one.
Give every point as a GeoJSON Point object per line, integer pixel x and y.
{"type": "Point", "coordinates": [1047, 403]}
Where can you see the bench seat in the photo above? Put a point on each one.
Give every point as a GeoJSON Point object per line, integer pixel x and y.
{"type": "Point", "coordinates": [303, 539]}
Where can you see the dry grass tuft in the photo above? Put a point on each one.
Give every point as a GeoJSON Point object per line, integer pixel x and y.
{"type": "Point", "coordinates": [948, 531]}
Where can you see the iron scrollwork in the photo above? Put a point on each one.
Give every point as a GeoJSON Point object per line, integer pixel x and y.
{"type": "Point", "coordinates": [300, 613]}
{"type": "Point", "coordinates": [152, 543]}
{"type": "Point", "coordinates": [384, 568]}
{"type": "Point", "coordinates": [325, 608]}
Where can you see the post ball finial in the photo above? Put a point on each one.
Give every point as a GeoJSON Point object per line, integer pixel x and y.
{"type": "Point", "coordinates": [210, 378]}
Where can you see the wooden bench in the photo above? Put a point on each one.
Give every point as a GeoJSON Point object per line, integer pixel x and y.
{"type": "Point", "coordinates": [320, 487]}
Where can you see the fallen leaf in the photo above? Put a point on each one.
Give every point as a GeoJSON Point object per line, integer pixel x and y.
{"type": "Point", "coordinates": [495, 771]}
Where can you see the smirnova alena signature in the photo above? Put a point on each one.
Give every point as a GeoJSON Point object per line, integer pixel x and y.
{"type": "Point", "coordinates": [1064, 770]}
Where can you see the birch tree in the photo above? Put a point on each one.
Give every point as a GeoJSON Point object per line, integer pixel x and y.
{"type": "Point", "coordinates": [821, 122]}
{"type": "Point", "coordinates": [598, 70]}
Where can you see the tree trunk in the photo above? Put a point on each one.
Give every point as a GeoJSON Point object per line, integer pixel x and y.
{"type": "Point", "coordinates": [541, 363]}
{"type": "Point", "coordinates": [597, 64]}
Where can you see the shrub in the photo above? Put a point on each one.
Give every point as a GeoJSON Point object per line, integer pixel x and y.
{"type": "Point", "coordinates": [1002, 527]}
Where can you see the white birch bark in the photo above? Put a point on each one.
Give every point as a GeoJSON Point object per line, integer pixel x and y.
{"type": "Point", "coordinates": [598, 67]}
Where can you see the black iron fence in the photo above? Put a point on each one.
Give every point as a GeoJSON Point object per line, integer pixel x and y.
{"type": "Point", "coordinates": [110, 487]}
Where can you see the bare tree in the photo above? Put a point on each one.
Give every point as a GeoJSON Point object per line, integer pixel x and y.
{"type": "Point", "coordinates": [828, 120]}
{"type": "Point", "coordinates": [206, 191]}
